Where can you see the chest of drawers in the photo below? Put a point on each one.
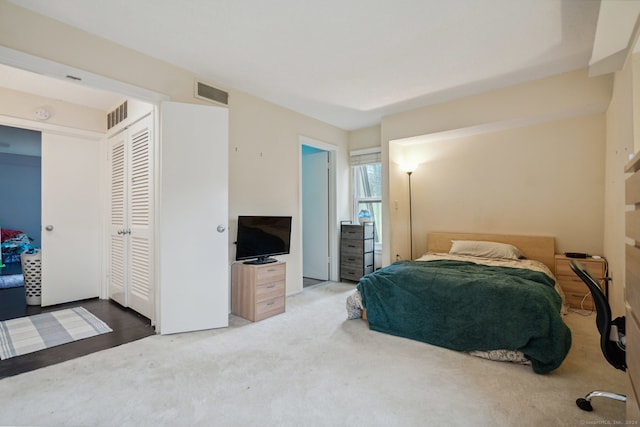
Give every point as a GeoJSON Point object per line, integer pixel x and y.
{"type": "Point", "coordinates": [356, 250]}
{"type": "Point", "coordinates": [258, 291]}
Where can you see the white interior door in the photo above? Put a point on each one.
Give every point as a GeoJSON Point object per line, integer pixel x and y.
{"type": "Point", "coordinates": [118, 219]}
{"type": "Point", "coordinates": [131, 218]}
{"type": "Point", "coordinates": [193, 260]}
{"type": "Point", "coordinates": [139, 232]}
{"type": "Point", "coordinates": [315, 215]}
{"type": "Point", "coordinates": [71, 219]}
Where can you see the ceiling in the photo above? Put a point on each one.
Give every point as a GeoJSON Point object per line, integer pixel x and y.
{"type": "Point", "coordinates": [348, 62]}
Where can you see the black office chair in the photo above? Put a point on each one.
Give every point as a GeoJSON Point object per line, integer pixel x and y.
{"type": "Point", "coordinates": [612, 340]}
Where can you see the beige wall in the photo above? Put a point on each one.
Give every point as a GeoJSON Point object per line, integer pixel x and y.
{"type": "Point", "coordinates": [364, 138]}
{"type": "Point", "coordinates": [527, 159]}
{"type": "Point", "coordinates": [545, 179]}
{"type": "Point", "coordinates": [23, 106]}
{"type": "Point", "coordinates": [563, 95]}
{"type": "Point", "coordinates": [264, 175]}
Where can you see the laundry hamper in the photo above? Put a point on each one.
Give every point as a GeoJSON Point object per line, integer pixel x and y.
{"type": "Point", "coordinates": [32, 273]}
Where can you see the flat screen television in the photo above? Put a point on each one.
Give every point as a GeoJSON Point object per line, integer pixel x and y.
{"type": "Point", "coordinates": [261, 237]}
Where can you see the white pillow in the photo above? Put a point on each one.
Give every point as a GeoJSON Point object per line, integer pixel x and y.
{"type": "Point", "coordinates": [484, 249]}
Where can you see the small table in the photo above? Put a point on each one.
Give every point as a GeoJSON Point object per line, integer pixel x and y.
{"type": "Point", "coordinates": [576, 292]}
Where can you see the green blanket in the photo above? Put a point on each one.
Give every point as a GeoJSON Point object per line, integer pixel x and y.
{"type": "Point", "coordinates": [466, 306]}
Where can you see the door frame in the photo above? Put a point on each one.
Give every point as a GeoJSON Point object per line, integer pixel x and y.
{"type": "Point", "coordinates": [333, 205]}
{"type": "Point", "coordinates": [50, 128]}
{"type": "Point", "coordinates": [31, 63]}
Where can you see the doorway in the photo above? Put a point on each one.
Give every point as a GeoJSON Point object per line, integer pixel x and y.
{"type": "Point", "coordinates": [69, 118]}
{"type": "Point", "coordinates": [20, 174]}
{"type": "Point", "coordinates": [318, 211]}
{"type": "Point", "coordinates": [173, 173]}
{"type": "Point", "coordinates": [315, 215]}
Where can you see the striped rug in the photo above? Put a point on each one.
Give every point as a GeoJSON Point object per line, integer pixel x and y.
{"type": "Point", "coordinates": [32, 333]}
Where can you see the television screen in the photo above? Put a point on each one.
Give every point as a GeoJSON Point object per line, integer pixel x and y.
{"type": "Point", "coordinates": [260, 237]}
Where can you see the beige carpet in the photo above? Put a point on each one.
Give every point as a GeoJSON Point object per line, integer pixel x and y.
{"type": "Point", "coordinates": [309, 367]}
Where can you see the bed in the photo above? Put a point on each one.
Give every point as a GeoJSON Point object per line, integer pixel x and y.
{"type": "Point", "coordinates": [493, 296]}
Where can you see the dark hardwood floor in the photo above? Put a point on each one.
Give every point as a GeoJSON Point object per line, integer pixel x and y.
{"type": "Point", "coordinates": [127, 326]}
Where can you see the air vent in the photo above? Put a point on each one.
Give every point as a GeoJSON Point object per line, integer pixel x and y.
{"type": "Point", "coordinates": [210, 93]}
{"type": "Point", "coordinates": [117, 115]}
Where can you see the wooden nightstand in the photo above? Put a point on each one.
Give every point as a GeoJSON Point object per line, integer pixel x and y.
{"type": "Point", "coordinates": [575, 291]}
{"type": "Point", "coordinates": [258, 291]}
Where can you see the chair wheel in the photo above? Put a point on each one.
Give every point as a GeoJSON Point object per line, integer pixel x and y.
{"type": "Point", "coordinates": [584, 404]}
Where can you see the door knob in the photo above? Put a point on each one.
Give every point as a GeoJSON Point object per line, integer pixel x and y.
{"type": "Point", "coordinates": [49, 228]}
{"type": "Point", "coordinates": [221, 228]}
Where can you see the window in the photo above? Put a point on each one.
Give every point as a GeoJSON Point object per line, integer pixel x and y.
{"type": "Point", "coordinates": [367, 188]}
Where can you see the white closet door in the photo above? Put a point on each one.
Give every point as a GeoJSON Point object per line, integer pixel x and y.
{"type": "Point", "coordinates": [71, 218]}
{"type": "Point", "coordinates": [118, 220]}
{"type": "Point", "coordinates": [131, 224]}
{"type": "Point", "coordinates": [140, 230]}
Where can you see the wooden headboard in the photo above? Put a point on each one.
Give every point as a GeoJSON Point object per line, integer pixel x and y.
{"type": "Point", "coordinates": [540, 248]}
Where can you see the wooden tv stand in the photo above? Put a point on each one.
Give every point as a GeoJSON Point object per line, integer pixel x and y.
{"type": "Point", "coordinates": [258, 291]}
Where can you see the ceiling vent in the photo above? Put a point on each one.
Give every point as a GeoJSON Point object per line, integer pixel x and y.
{"type": "Point", "coordinates": [210, 93]}
{"type": "Point", "coordinates": [117, 115]}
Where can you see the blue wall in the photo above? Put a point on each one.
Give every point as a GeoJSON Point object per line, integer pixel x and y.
{"type": "Point", "coordinates": [20, 190]}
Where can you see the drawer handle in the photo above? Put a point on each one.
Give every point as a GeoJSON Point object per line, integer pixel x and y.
{"type": "Point", "coordinates": [271, 303]}
{"type": "Point", "coordinates": [271, 286]}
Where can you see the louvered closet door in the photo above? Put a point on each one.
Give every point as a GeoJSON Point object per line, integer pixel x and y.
{"type": "Point", "coordinates": [118, 220]}
{"type": "Point", "coordinates": [131, 225]}
{"type": "Point", "coordinates": [140, 288]}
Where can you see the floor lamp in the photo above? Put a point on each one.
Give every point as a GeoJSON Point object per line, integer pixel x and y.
{"type": "Point", "coordinates": [409, 172]}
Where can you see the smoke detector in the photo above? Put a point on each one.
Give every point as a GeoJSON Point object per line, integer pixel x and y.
{"type": "Point", "coordinates": [42, 114]}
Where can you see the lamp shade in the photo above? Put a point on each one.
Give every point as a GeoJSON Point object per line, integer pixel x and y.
{"type": "Point", "coordinates": [409, 167]}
